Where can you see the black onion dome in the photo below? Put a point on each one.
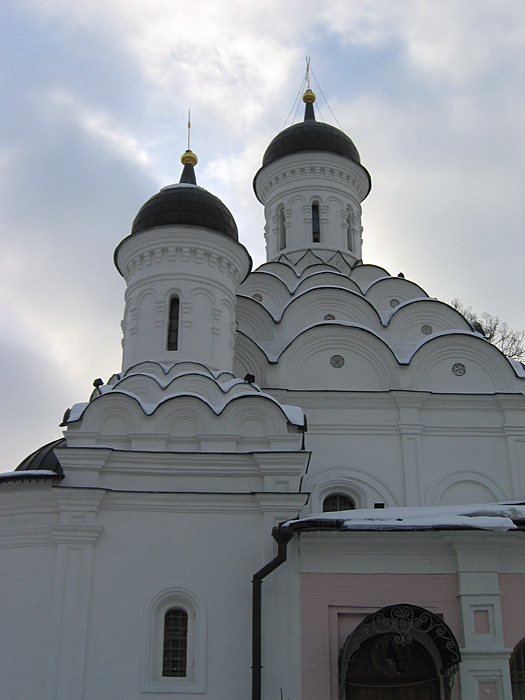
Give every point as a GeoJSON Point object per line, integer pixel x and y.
{"type": "Point", "coordinates": [188, 205]}
{"type": "Point", "coordinates": [38, 465]}
{"type": "Point", "coordinates": [43, 458]}
{"type": "Point", "coordinates": [310, 135]}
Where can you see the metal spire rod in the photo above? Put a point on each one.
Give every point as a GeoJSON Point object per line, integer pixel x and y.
{"type": "Point", "coordinates": [308, 72]}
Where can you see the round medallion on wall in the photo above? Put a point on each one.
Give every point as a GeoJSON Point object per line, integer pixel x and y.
{"type": "Point", "coordinates": [337, 361]}
{"type": "Point", "coordinates": [458, 369]}
{"type": "Point", "coordinates": [394, 303]}
{"type": "Point", "coordinates": [257, 297]}
{"type": "Point", "coordinates": [426, 329]}
{"type": "Point", "coordinates": [329, 317]}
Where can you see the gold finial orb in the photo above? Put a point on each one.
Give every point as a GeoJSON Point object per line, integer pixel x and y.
{"type": "Point", "coordinates": [309, 96]}
{"type": "Point", "coordinates": [188, 157]}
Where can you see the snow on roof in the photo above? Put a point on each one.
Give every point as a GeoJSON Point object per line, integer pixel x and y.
{"type": "Point", "coordinates": [519, 367]}
{"type": "Point", "coordinates": [293, 414]}
{"type": "Point", "coordinates": [76, 412]}
{"type": "Point", "coordinates": [491, 516]}
{"type": "Point", "coordinates": [29, 474]}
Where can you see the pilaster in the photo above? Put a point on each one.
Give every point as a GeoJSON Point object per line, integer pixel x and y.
{"type": "Point", "coordinates": [514, 430]}
{"type": "Point", "coordinates": [411, 428]}
{"type": "Point", "coordinates": [484, 669]}
{"type": "Point", "coordinates": [75, 535]}
{"type": "Point", "coordinates": [277, 508]}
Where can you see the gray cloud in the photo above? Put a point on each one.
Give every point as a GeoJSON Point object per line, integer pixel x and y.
{"type": "Point", "coordinates": [95, 123]}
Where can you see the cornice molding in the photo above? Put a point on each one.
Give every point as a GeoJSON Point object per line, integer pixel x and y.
{"type": "Point", "coordinates": [33, 536]}
{"type": "Point", "coordinates": [76, 534]}
{"type": "Point", "coordinates": [195, 254]}
{"type": "Point", "coordinates": [195, 502]}
{"type": "Point", "coordinates": [180, 246]}
{"type": "Point", "coordinates": [333, 171]}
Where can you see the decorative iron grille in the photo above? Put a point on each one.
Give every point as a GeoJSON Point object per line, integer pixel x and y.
{"type": "Point", "coordinates": [401, 623]}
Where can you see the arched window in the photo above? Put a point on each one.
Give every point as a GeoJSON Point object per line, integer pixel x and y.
{"type": "Point", "coordinates": [175, 647]}
{"type": "Point", "coordinates": [338, 501]}
{"type": "Point", "coordinates": [282, 229]}
{"type": "Point", "coordinates": [174, 643]}
{"type": "Point", "coordinates": [173, 324]}
{"type": "Point", "coordinates": [517, 672]}
{"type": "Point", "coordinates": [316, 224]}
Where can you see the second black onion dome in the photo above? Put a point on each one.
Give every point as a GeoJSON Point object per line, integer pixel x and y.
{"type": "Point", "coordinates": [185, 204]}
{"type": "Point", "coordinates": [310, 135]}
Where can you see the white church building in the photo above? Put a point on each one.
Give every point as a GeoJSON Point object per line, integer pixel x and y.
{"type": "Point", "coordinates": [306, 482]}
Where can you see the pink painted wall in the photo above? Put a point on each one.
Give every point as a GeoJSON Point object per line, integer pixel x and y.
{"type": "Point", "coordinates": [512, 587]}
{"type": "Point", "coordinates": [334, 604]}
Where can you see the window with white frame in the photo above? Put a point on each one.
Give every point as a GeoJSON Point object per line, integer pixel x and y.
{"type": "Point", "coordinates": [175, 643]}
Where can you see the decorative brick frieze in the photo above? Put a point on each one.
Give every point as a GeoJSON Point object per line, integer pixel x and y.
{"type": "Point", "coordinates": [169, 254]}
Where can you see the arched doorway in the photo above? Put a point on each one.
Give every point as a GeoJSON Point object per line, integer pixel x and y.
{"type": "Point", "coordinates": [401, 652]}
{"type": "Point", "coordinates": [517, 671]}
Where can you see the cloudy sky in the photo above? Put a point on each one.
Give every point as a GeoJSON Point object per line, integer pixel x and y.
{"type": "Point", "coordinates": [95, 96]}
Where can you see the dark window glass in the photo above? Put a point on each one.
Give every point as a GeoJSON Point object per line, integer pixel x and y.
{"type": "Point", "coordinates": [349, 232]}
{"type": "Point", "coordinates": [338, 501]}
{"type": "Point", "coordinates": [316, 226]}
{"type": "Point", "coordinates": [517, 672]}
{"type": "Point", "coordinates": [175, 649]}
{"type": "Point", "coordinates": [282, 230]}
{"type": "Point", "coordinates": [173, 325]}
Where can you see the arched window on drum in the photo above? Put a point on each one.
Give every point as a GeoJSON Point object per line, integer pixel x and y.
{"type": "Point", "coordinates": [282, 229]}
{"type": "Point", "coordinates": [349, 230]}
{"type": "Point", "coordinates": [316, 223]}
{"type": "Point", "coordinates": [173, 324]}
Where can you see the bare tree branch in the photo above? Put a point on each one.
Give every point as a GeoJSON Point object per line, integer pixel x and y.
{"type": "Point", "coordinates": [511, 342]}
